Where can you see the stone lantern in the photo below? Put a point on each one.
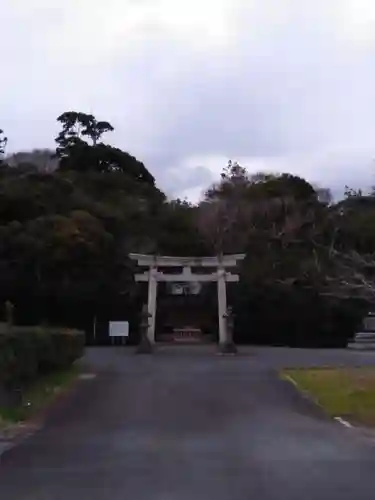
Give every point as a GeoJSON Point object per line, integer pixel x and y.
{"type": "Point", "coordinates": [144, 346]}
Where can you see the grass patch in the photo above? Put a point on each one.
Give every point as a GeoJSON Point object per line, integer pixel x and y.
{"type": "Point", "coordinates": [344, 392]}
{"type": "Point", "coordinates": [39, 395]}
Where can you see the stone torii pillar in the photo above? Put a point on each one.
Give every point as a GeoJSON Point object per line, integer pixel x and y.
{"type": "Point", "coordinates": [152, 294]}
{"type": "Point", "coordinates": [222, 304]}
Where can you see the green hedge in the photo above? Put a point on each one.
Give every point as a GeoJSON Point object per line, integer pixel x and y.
{"type": "Point", "coordinates": [26, 352]}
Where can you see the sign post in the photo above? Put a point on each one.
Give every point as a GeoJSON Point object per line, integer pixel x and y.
{"type": "Point", "coordinates": [119, 329]}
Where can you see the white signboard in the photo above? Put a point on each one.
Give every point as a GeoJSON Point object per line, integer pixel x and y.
{"type": "Point", "coordinates": [118, 328]}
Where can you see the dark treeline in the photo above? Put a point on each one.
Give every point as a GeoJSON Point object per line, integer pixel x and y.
{"type": "Point", "coordinates": [69, 218]}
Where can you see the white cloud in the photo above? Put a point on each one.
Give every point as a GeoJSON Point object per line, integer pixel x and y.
{"type": "Point", "coordinates": [193, 83]}
{"type": "Point", "coordinates": [356, 20]}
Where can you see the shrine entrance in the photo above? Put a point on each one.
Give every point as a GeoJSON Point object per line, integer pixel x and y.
{"type": "Point", "coordinates": [186, 318]}
{"type": "Point", "coordinates": [182, 273]}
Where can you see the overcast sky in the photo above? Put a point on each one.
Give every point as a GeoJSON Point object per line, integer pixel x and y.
{"type": "Point", "coordinates": [279, 85]}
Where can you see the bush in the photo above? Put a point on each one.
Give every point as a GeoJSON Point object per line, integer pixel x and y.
{"type": "Point", "coordinates": [18, 360]}
{"type": "Point", "coordinates": [295, 317]}
{"type": "Point", "coordinates": [58, 348]}
{"type": "Point", "coordinates": [26, 352]}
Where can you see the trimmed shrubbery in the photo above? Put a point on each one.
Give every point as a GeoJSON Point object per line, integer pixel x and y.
{"type": "Point", "coordinates": [28, 352]}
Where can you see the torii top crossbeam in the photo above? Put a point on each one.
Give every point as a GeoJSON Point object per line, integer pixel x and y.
{"type": "Point", "coordinates": [168, 261]}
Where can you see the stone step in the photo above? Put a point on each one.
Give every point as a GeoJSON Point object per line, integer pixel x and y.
{"type": "Point", "coordinates": [364, 337]}
{"type": "Point", "coordinates": [369, 346]}
{"type": "Point", "coordinates": [363, 341]}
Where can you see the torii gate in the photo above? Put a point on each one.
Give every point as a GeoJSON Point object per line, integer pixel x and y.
{"type": "Point", "coordinates": [153, 276]}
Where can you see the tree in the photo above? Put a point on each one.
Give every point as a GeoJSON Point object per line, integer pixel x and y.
{"type": "Point", "coordinates": [224, 217]}
{"type": "Point", "coordinates": [72, 148]}
{"type": "Point", "coordinates": [234, 177]}
{"type": "Point", "coordinates": [77, 126]}
{"type": "Point", "coordinates": [105, 158]}
{"type": "Point", "coordinates": [55, 265]}
{"type": "Point", "coordinates": [243, 207]}
{"type": "Point", "coordinates": [175, 231]}
{"type": "Point", "coordinates": [351, 248]}
{"type": "Point", "coordinates": [76, 153]}
{"type": "Point", "coordinates": [65, 234]}
{"type": "Point", "coordinates": [284, 225]}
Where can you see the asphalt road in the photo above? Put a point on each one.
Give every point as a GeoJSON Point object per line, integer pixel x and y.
{"type": "Point", "coordinates": [188, 425]}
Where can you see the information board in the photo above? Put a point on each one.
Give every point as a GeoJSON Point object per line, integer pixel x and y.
{"type": "Point", "coordinates": [118, 328]}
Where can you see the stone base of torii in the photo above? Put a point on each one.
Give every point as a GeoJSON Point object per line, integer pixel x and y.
{"type": "Point", "coordinates": [220, 275]}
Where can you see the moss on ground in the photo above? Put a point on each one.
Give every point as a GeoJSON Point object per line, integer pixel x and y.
{"type": "Point", "coordinates": [344, 392]}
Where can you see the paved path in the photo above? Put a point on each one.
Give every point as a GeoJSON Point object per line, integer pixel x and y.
{"type": "Point", "coordinates": [188, 425]}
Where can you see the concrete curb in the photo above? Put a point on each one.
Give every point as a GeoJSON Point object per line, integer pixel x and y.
{"type": "Point", "coordinates": [17, 434]}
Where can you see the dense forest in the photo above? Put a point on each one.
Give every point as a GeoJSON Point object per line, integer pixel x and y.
{"type": "Point", "coordinates": [70, 217]}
